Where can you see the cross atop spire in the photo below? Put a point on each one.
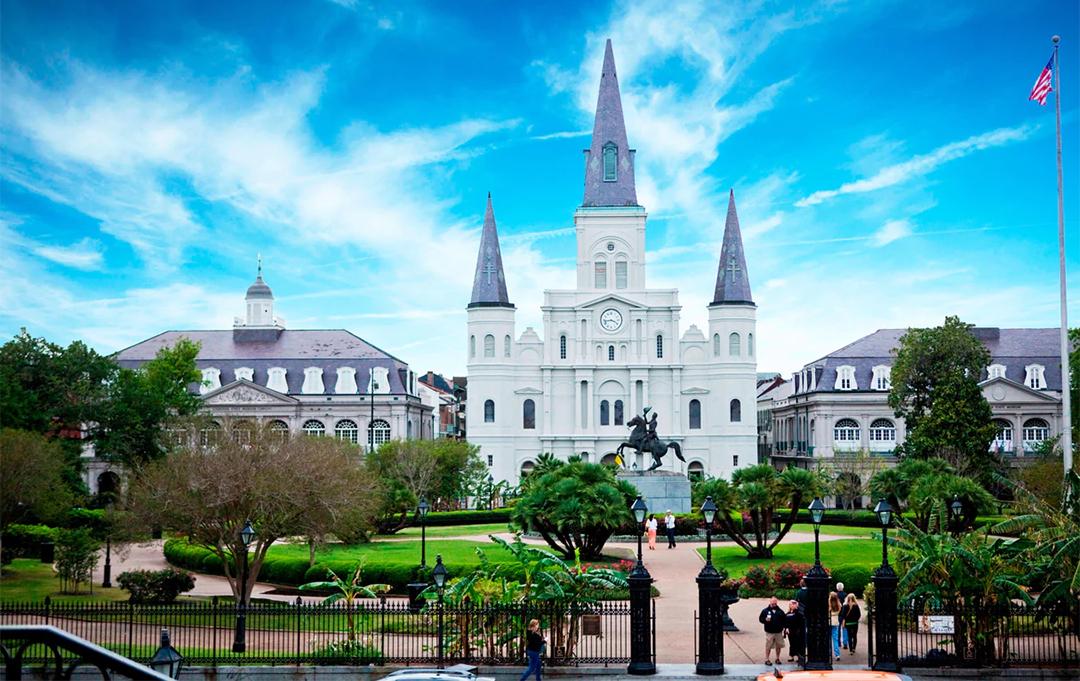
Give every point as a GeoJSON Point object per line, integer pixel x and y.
{"type": "Point", "coordinates": [732, 279]}
{"type": "Point", "coordinates": [609, 161]}
{"type": "Point", "coordinates": [489, 283]}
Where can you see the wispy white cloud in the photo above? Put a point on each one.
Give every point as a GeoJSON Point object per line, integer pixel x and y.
{"type": "Point", "coordinates": [565, 134]}
{"type": "Point", "coordinates": [83, 255]}
{"type": "Point", "coordinates": [921, 165]}
{"type": "Point", "coordinates": [891, 231]}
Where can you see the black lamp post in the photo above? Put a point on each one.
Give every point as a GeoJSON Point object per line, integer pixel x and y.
{"type": "Point", "coordinates": [166, 659]}
{"type": "Point", "coordinates": [956, 515]}
{"type": "Point", "coordinates": [422, 509]}
{"type": "Point", "coordinates": [438, 575]}
{"type": "Point", "coordinates": [886, 656]}
{"type": "Point", "coordinates": [710, 605]}
{"type": "Point", "coordinates": [818, 631]}
{"type": "Point", "coordinates": [106, 580]}
{"type": "Point", "coordinates": [247, 535]}
{"type": "Point", "coordinates": [491, 491]}
{"type": "Point", "coordinates": [641, 659]}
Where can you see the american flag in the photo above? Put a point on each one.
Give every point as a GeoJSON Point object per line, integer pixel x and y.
{"type": "Point", "coordinates": [1042, 84]}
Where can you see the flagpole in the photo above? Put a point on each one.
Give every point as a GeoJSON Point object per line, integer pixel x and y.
{"type": "Point", "coordinates": [1066, 406]}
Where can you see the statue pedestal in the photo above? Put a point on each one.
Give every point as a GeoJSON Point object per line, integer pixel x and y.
{"type": "Point", "coordinates": [662, 490]}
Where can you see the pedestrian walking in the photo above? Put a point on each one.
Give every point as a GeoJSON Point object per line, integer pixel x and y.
{"type": "Point", "coordinates": [669, 525]}
{"type": "Point", "coordinates": [650, 528]}
{"type": "Point", "coordinates": [834, 617]}
{"type": "Point", "coordinates": [842, 595]}
{"type": "Point", "coordinates": [774, 619]}
{"type": "Point", "coordinates": [795, 625]}
{"type": "Point", "coordinates": [534, 647]}
{"type": "Point", "coordinates": [851, 613]}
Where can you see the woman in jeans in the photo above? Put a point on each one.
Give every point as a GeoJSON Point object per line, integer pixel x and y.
{"type": "Point", "coordinates": [834, 617]}
{"type": "Point", "coordinates": [534, 644]}
{"type": "Point", "coordinates": [850, 615]}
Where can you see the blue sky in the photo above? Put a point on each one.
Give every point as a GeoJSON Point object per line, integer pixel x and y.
{"type": "Point", "coordinates": [887, 165]}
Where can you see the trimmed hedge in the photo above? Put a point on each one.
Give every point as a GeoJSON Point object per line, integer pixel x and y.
{"type": "Point", "coordinates": [854, 578]}
{"type": "Point", "coordinates": [477, 517]}
{"type": "Point", "coordinates": [24, 541]}
{"type": "Point", "coordinates": [867, 518]}
{"type": "Point", "coordinates": [155, 586]}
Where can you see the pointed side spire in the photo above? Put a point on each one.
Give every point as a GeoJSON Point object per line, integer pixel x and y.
{"type": "Point", "coordinates": [732, 279]}
{"type": "Point", "coordinates": [489, 283]}
{"type": "Point", "coordinates": [609, 161]}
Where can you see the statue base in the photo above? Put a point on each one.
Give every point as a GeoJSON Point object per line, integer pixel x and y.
{"type": "Point", "coordinates": [661, 490]}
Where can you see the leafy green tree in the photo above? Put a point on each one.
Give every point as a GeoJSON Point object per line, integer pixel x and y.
{"type": "Point", "coordinates": [575, 506]}
{"type": "Point", "coordinates": [76, 557]}
{"type": "Point", "coordinates": [32, 483]}
{"type": "Point", "coordinates": [348, 590]}
{"type": "Point", "coordinates": [753, 495]}
{"type": "Point", "coordinates": [935, 389]}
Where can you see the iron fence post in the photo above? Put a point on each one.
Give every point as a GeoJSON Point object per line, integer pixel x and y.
{"type": "Point", "coordinates": [818, 648]}
{"type": "Point", "coordinates": [710, 630]}
{"type": "Point", "coordinates": [641, 658]}
{"type": "Point", "coordinates": [886, 650]}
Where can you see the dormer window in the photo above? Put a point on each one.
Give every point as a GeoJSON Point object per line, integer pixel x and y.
{"type": "Point", "coordinates": [995, 371]}
{"type": "Point", "coordinates": [1035, 376]}
{"type": "Point", "coordinates": [611, 158]}
{"type": "Point", "coordinates": [313, 384]}
{"type": "Point", "coordinates": [845, 378]}
{"type": "Point", "coordinates": [275, 380]}
{"type": "Point", "coordinates": [882, 380]}
{"type": "Point", "coordinates": [244, 373]}
{"type": "Point", "coordinates": [211, 380]}
{"type": "Point", "coordinates": [346, 382]}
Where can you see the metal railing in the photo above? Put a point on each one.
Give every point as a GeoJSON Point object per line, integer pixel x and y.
{"type": "Point", "coordinates": [24, 646]}
{"type": "Point", "coordinates": [994, 636]}
{"type": "Point", "coordinates": [372, 632]}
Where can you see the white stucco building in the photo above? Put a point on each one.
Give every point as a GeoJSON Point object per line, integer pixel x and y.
{"type": "Point", "coordinates": [611, 345]}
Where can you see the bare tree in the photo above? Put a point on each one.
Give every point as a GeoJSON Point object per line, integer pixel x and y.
{"type": "Point", "coordinates": [286, 486]}
{"type": "Point", "coordinates": [850, 475]}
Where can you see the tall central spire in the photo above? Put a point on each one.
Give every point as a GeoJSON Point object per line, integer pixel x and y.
{"type": "Point", "coordinates": [732, 279]}
{"type": "Point", "coordinates": [609, 161]}
{"type": "Point", "coordinates": [489, 283]}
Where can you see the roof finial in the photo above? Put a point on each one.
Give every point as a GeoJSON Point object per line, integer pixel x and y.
{"type": "Point", "coordinates": [260, 265]}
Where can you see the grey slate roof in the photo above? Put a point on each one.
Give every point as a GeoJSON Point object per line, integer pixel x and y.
{"type": "Point", "coordinates": [609, 126]}
{"type": "Point", "coordinates": [732, 278]}
{"type": "Point", "coordinates": [328, 349]}
{"type": "Point", "coordinates": [1015, 348]}
{"type": "Point", "coordinates": [489, 282]}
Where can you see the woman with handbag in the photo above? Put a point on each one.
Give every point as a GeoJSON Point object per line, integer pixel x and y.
{"type": "Point", "coordinates": [534, 646]}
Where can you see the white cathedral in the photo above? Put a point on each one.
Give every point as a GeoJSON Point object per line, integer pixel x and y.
{"type": "Point", "coordinates": [611, 346]}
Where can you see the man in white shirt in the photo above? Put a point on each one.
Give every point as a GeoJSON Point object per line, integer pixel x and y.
{"type": "Point", "coordinates": [669, 523]}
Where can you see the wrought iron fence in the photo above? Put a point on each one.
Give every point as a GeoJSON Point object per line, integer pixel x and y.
{"type": "Point", "coordinates": [371, 632]}
{"type": "Point", "coordinates": [1000, 636]}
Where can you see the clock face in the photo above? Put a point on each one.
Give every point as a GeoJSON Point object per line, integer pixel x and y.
{"type": "Point", "coordinates": [611, 320]}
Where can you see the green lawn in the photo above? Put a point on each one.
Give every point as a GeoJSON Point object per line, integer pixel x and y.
{"type": "Point", "coordinates": [841, 530]}
{"type": "Point", "coordinates": [451, 531]}
{"type": "Point", "coordinates": [453, 551]}
{"type": "Point", "coordinates": [28, 579]}
{"type": "Point", "coordinates": [842, 552]}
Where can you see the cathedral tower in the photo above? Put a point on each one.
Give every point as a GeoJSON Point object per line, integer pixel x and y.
{"type": "Point", "coordinates": [732, 313]}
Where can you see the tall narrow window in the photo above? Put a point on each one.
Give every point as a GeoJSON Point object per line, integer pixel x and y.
{"type": "Point", "coordinates": [716, 344]}
{"type": "Point", "coordinates": [733, 345]}
{"type": "Point", "coordinates": [618, 412]}
{"type": "Point", "coordinates": [562, 346]}
{"type": "Point", "coordinates": [346, 430]}
{"type": "Point", "coordinates": [611, 162]}
{"type": "Point", "coordinates": [735, 411]}
{"type": "Point", "coordinates": [472, 346]}
{"type": "Point", "coordinates": [506, 346]}
{"type": "Point", "coordinates": [489, 411]}
{"type": "Point", "coordinates": [489, 345]}
{"type": "Point", "coordinates": [605, 413]}
{"type": "Point", "coordinates": [749, 345]}
{"type": "Point", "coordinates": [659, 346]}
{"type": "Point", "coordinates": [611, 353]}
{"type": "Point", "coordinates": [600, 274]}
{"type": "Point", "coordinates": [528, 415]}
{"type": "Point", "coordinates": [695, 415]}
{"type": "Point", "coordinates": [621, 267]}
{"type": "Point", "coordinates": [378, 432]}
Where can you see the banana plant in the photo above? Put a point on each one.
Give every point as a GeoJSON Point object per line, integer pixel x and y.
{"type": "Point", "coordinates": [348, 590]}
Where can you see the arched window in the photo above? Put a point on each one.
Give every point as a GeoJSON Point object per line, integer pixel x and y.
{"type": "Point", "coordinates": [562, 346]}
{"type": "Point", "coordinates": [611, 162]}
{"type": "Point", "coordinates": [489, 411]}
{"type": "Point", "coordinates": [735, 411]}
{"type": "Point", "coordinates": [733, 345]}
{"type": "Point", "coordinates": [506, 346]}
{"type": "Point", "coordinates": [346, 429]}
{"type": "Point", "coordinates": [659, 346]}
{"type": "Point", "coordinates": [1003, 440]}
{"type": "Point", "coordinates": [314, 427]}
{"type": "Point", "coordinates": [1035, 431]}
{"type": "Point", "coordinates": [489, 345]}
{"type": "Point", "coordinates": [209, 435]}
{"type": "Point", "coordinates": [618, 412]}
{"type": "Point", "coordinates": [527, 467]}
{"type": "Point", "coordinates": [716, 344]}
{"type": "Point", "coordinates": [749, 345]}
{"type": "Point", "coordinates": [378, 432]}
{"type": "Point", "coordinates": [600, 273]}
{"type": "Point", "coordinates": [695, 414]}
{"type": "Point", "coordinates": [621, 269]}
{"type": "Point", "coordinates": [611, 353]}
{"type": "Point", "coordinates": [846, 432]}
{"type": "Point", "coordinates": [241, 432]}
{"type": "Point", "coordinates": [528, 414]}
{"type": "Point", "coordinates": [882, 430]}
{"type": "Point", "coordinates": [279, 429]}
{"type": "Point", "coordinates": [605, 413]}
{"type": "Point", "coordinates": [472, 346]}
{"type": "Point", "coordinates": [695, 471]}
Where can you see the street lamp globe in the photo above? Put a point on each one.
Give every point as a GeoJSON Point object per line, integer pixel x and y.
{"type": "Point", "coordinates": [439, 574]}
{"type": "Point", "coordinates": [166, 659]}
{"type": "Point", "coordinates": [640, 509]}
{"type": "Point", "coordinates": [817, 510]}
{"type": "Point", "coordinates": [884, 512]}
{"type": "Point", "coordinates": [423, 508]}
{"type": "Point", "coordinates": [956, 507]}
{"type": "Point", "coordinates": [247, 535]}
{"type": "Point", "coordinates": [708, 511]}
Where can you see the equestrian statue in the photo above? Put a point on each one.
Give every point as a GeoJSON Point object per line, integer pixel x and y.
{"type": "Point", "coordinates": [643, 439]}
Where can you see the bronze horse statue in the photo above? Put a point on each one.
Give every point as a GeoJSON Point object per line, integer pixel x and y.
{"type": "Point", "coordinates": [639, 441]}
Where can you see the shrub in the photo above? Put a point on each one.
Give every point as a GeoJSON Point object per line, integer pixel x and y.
{"type": "Point", "coordinates": [757, 578]}
{"type": "Point", "coordinates": [479, 517]}
{"type": "Point", "coordinates": [787, 575]}
{"type": "Point", "coordinates": [76, 557]}
{"type": "Point", "coordinates": [746, 591]}
{"type": "Point", "coordinates": [353, 652]}
{"type": "Point", "coordinates": [26, 540]}
{"type": "Point", "coordinates": [855, 579]}
{"type": "Point", "coordinates": [155, 586]}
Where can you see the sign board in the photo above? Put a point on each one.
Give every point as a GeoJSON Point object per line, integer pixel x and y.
{"type": "Point", "coordinates": [590, 625]}
{"type": "Point", "coordinates": [936, 624]}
